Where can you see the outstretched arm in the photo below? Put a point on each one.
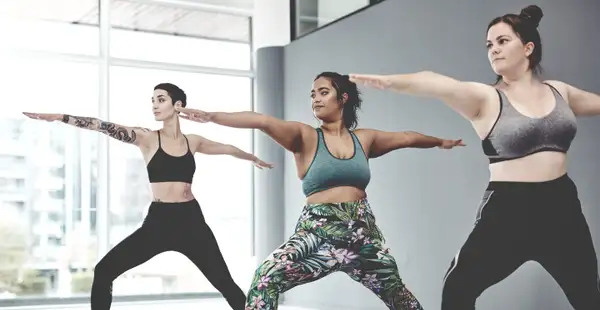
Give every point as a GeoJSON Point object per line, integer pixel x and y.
{"type": "Point", "coordinates": [131, 135]}
{"type": "Point", "coordinates": [583, 103]}
{"type": "Point", "coordinates": [383, 142]}
{"type": "Point", "coordinates": [122, 133]}
{"type": "Point", "coordinates": [286, 133]}
{"type": "Point", "coordinates": [466, 98]}
{"type": "Point", "coordinates": [209, 147]}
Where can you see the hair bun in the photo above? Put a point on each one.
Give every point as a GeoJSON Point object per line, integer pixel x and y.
{"type": "Point", "coordinates": [532, 13]}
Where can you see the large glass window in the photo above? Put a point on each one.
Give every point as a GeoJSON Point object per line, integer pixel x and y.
{"type": "Point", "coordinates": [310, 15]}
{"type": "Point", "coordinates": [51, 173]}
{"type": "Point", "coordinates": [179, 35]}
{"type": "Point", "coordinates": [222, 184]}
{"type": "Point", "coordinates": [65, 26]}
{"type": "Point", "coordinates": [47, 207]}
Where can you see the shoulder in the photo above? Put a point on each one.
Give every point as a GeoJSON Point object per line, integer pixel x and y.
{"type": "Point", "coordinates": [194, 138]}
{"type": "Point", "coordinates": [562, 87]}
{"type": "Point", "coordinates": [363, 131]}
{"type": "Point", "coordinates": [307, 131]}
{"type": "Point", "coordinates": [143, 136]}
{"type": "Point", "coordinates": [365, 134]}
{"type": "Point", "coordinates": [555, 83]}
{"type": "Point", "coordinates": [305, 128]}
{"type": "Point", "coordinates": [144, 131]}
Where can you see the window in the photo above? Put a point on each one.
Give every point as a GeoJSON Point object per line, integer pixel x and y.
{"type": "Point", "coordinates": [11, 184]}
{"type": "Point", "coordinates": [222, 184]}
{"type": "Point", "coordinates": [66, 26]}
{"type": "Point", "coordinates": [49, 171]}
{"type": "Point", "coordinates": [152, 32]}
{"type": "Point", "coordinates": [310, 15]}
{"type": "Point", "coordinates": [35, 228]}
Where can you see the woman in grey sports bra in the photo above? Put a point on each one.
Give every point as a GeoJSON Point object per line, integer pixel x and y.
{"type": "Point", "coordinates": [530, 210]}
{"type": "Point", "coordinates": [337, 229]}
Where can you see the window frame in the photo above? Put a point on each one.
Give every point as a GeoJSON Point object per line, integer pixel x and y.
{"type": "Point", "coordinates": [104, 62]}
{"type": "Point", "coordinates": [294, 20]}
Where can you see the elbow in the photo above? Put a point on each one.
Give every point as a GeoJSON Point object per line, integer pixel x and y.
{"type": "Point", "coordinates": [262, 121]}
{"type": "Point", "coordinates": [412, 138]}
{"type": "Point", "coordinates": [421, 83]}
{"type": "Point", "coordinates": [425, 75]}
{"type": "Point", "coordinates": [418, 140]}
{"type": "Point", "coordinates": [231, 150]}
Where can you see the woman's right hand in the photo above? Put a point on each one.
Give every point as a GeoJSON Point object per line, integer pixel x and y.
{"type": "Point", "coordinates": [44, 116]}
{"type": "Point", "coordinates": [371, 80]}
{"type": "Point", "coordinates": [194, 115]}
{"type": "Point", "coordinates": [258, 163]}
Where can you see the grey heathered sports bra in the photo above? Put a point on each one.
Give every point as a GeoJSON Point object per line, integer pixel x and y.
{"type": "Point", "coordinates": [515, 135]}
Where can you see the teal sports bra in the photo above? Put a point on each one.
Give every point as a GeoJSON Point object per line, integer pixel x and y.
{"type": "Point", "coordinates": [327, 171]}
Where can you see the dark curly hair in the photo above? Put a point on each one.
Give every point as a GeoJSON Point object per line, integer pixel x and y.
{"type": "Point", "coordinates": [342, 84]}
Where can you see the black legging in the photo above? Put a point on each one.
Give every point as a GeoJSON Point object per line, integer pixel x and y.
{"type": "Point", "coordinates": [519, 222]}
{"type": "Point", "coordinates": [167, 227]}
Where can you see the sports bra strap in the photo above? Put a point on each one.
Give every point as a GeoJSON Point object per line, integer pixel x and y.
{"type": "Point", "coordinates": [188, 143]}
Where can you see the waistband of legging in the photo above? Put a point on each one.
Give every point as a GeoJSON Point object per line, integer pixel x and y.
{"type": "Point", "coordinates": [160, 204]}
{"type": "Point", "coordinates": [353, 203]}
{"type": "Point", "coordinates": [561, 183]}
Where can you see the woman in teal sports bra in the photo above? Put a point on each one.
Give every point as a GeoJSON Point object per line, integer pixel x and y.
{"type": "Point", "coordinates": [336, 230]}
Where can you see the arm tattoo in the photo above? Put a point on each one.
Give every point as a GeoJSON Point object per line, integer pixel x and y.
{"type": "Point", "coordinates": [117, 132]}
{"type": "Point", "coordinates": [79, 121]}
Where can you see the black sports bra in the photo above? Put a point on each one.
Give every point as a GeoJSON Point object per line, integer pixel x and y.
{"type": "Point", "coordinates": [168, 168]}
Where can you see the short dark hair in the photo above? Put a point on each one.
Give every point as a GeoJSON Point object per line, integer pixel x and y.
{"type": "Point", "coordinates": [525, 25]}
{"type": "Point", "coordinates": [342, 84]}
{"type": "Point", "coordinates": [176, 93]}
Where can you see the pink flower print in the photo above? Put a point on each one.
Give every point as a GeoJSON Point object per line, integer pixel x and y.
{"type": "Point", "coordinates": [361, 212]}
{"type": "Point", "coordinates": [344, 256]}
{"type": "Point", "coordinates": [283, 261]}
{"type": "Point", "coordinates": [258, 302]}
{"type": "Point", "coordinates": [350, 224]}
{"type": "Point", "coordinates": [263, 282]}
{"type": "Point", "coordinates": [319, 223]}
{"type": "Point", "coordinates": [357, 235]}
{"type": "Point", "coordinates": [371, 281]}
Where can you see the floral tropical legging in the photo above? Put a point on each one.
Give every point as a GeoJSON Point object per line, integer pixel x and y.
{"type": "Point", "coordinates": [332, 237]}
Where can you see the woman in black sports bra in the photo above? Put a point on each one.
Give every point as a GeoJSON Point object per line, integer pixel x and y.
{"type": "Point", "coordinates": [530, 210]}
{"type": "Point", "coordinates": [174, 221]}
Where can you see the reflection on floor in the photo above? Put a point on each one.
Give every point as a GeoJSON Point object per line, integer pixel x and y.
{"type": "Point", "coordinates": [205, 304]}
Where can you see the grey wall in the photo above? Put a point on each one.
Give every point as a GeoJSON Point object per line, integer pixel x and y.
{"type": "Point", "coordinates": [268, 191]}
{"type": "Point", "coordinates": [425, 200]}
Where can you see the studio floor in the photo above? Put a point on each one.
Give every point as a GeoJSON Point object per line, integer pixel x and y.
{"type": "Point", "coordinates": [201, 304]}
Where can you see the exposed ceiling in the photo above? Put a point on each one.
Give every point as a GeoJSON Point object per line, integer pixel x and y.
{"type": "Point", "coordinates": [177, 17]}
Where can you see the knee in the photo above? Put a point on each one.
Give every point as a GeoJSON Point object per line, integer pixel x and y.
{"type": "Point", "coordinates": [266, 280]}
{"type": "Point", "coordinates": [228, 287]}
{"type": "Point", "coordinates": [102, 273]}
{"type": "Point", "coordinates": [458, 292]}
{"type": "Point", "coordinates": [262, 281]}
